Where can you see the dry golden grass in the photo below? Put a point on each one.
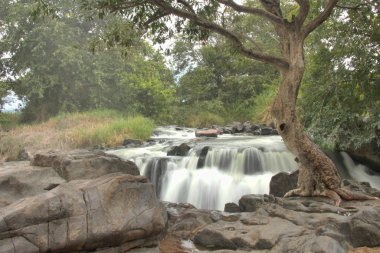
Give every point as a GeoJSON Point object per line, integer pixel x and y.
{"type": "Point", "coordinates": [77, 130]}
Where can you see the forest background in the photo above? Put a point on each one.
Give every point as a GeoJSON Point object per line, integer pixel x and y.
{"type": "Point", "coordinates": [70, 69]}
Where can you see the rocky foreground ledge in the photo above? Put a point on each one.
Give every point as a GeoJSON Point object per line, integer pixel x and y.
{"type": "Point", "coordinates": [94, 202]}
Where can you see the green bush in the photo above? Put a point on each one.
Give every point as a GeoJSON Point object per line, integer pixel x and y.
{"type": "Point", "coordinates": [9, 120]}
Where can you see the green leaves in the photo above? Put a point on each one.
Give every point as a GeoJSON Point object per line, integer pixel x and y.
{"type": "Point", "coordinates": [341, 93]}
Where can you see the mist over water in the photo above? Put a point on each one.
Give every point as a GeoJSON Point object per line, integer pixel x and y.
{"type": "Point", "coordinates": [234, 166]}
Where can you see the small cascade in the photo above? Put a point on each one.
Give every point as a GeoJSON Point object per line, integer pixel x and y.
{"type": "Point", "coordinates": [221, 170]}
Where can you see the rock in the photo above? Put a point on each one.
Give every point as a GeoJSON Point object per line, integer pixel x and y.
{"type": "Point", "coordinates": [132, 143]}
{"type": "Point", "coordinates": [252, 202]}
{"type": "Point", "coordinates": [368, 154]}
{"type": "Point", "coordinates": [283, 182]}
{"type": "Point", "coordinates": [180, 150]}
{"type": "Point", "coordinates": [237, 127]}
{"type": "Point", "coordinates": [115, 210]}
{"type": "Point", "coordinates": [19, 180]}
{"type": "Point", "coordinates": [155, 171]}
{"type": "Point", "coordinates": [207, 133]}
{"type": "Point", "coordinates": [202, 157]}
{"type": "Point", "coordinates": [271, 224]}
{"type": "Point", "coordinates": [83, 164]}
{"type": "Point", "coordinates": [227, 130]}
{"type": "Point", "coordinates": [361, 187]}
{"type": "Point", "coordinates": [24, 155]}
{"type": "Point", "coordinates": [231, 208]}
{"type": "Point", "coordinates": [266, 130]}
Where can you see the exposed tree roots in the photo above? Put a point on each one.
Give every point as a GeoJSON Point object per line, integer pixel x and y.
{"type": "Point", "coordinates": [337, 194]}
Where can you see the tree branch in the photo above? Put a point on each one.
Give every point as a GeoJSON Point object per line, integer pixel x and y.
{"type": "Point", "coordinates": [320, 18]}
{"type": "Point", "coordinates": [277, 62]}
{"type": "Point", "coordinates": [304, 11]}
{"type": "Point", "coordinates": [255, 11]}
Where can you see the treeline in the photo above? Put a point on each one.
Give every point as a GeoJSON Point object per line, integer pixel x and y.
{"type": "Point", "coordinates": [71, 64]}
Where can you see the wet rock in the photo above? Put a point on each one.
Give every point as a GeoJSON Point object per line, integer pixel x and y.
{"type": "Point", "coordinates": [202, 157]}
{"type": "Point", "coordinates": [83, 164]}
{"type": "Point", "coordinates": [232, 208]}
{"type": "Point", "coordinates": [266, 131]}
{"type": "Point", "coordinates": [283, 182]}
{"type": "Point", "coordinates": [115, 210]}
{"type": "Point", "coordinates": [181, 150]}
{"type": "Point", "coordinates": [132, 143]}
{"type": "Point", "coordinates": [237, 127]}
{"type": "Point", "coordinates": [155, 171]}
{"type": "Point", "coordinates": [252, 202]}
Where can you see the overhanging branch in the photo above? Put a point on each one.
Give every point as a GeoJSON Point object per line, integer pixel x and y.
{"type": "Point", "coordinates": [277, 62]}
{"type": "Point", "coordinates": [304, 11]}
{"type": "Point", "coordinates": [255, 11]}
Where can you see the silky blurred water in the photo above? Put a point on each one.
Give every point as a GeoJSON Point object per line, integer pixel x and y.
{"type": "Point", "coordinates": [234, 166]}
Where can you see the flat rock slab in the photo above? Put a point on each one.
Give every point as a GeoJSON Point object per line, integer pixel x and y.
{"type": "Point", "coordinates": [83, 164]}
{"type": "Point", "coordinates": [270, 224]}
{"type": "Point", "coordinates": [115, 210]}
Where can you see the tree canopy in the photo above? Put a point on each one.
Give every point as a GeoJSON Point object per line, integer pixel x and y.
{"type": "Point", "coordinates": [64, 64]}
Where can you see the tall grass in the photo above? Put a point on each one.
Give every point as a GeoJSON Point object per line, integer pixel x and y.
{"type": "Point", "coordinates": [76, 130]}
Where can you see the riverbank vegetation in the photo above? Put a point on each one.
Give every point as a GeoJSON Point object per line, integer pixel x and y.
{"type": "Point", "coordinates": [65, 66]}
{"type": "Point", "coordinates": [92, 129]}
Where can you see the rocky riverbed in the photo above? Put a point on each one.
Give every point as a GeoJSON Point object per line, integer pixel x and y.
{"type": "Point", "coordinates": [84, 201]}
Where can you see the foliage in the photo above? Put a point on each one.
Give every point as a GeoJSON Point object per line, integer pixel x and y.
{"type": "Point", "coordinates": [73, 130]}
{"type": "Point", "coordinates": [8, 121]}
{"type": "Point", "coordinates": [56, 71]}
{"type": "Point", "coordinates": [340, 98]}
{"type": "Point", "coordinates": [216, 75]}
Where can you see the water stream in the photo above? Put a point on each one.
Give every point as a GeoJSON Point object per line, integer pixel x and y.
{"type": "Point", "coordinates": [220, 170]}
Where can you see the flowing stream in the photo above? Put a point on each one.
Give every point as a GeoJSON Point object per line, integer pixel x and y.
{"type": "Point", "coordinates": [220, 170]}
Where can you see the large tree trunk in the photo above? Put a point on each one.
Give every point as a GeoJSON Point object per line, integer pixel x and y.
{"type": "Point", "coordinates": [318, 174]}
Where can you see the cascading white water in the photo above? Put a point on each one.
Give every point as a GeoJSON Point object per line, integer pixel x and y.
{"type": "Point", "coordinates": [233, 166]}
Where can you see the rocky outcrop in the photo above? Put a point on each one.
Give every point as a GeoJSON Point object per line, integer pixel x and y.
{"type": "Point", "coordinates": [270, 224]}
{"type": "Point", "coordinates": [115, 210]}
{"type": "Point", "coordinates": [83, 164]}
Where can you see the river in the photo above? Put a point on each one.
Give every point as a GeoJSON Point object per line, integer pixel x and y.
{"type": "Point", "coordinates": [233, 166]}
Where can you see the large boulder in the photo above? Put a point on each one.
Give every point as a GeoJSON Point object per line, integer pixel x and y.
{"type": "Point", "coordinates": [115, 210]}
{"type": "Point", "coordinates": [283, 182]}
{"type": "Point", "coordinates": [19, 180]}
{"type": "Point", "coordinates": [83, 164]}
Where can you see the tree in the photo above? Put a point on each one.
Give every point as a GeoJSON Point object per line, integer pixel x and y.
{"type": "Point", "coordinates": [318, 174]}
{"type": "Point", "coordinates": [50, 64]}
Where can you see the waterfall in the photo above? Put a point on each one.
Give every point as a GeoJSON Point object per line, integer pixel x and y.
{"type": "Point", "coordinates": [221, 170]}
